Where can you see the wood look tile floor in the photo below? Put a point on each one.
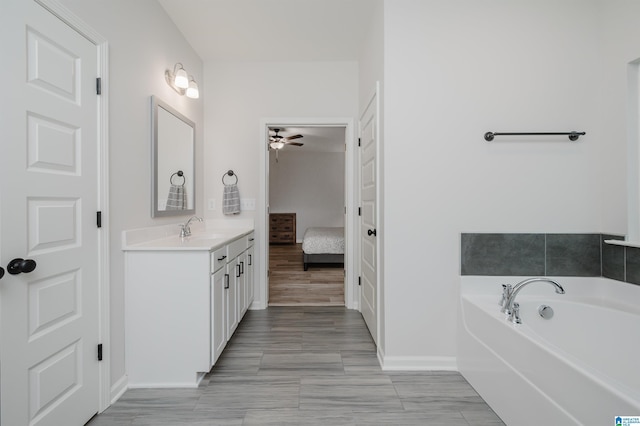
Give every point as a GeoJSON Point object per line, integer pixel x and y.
{"type": "Point", "coordinates": [305, 366]}
{"type": "Point", "coordinates": [291, 285]}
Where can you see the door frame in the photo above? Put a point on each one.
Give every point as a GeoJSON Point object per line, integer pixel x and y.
{"type": "Point", "coordinates": [102, 48]}
{"type": "Point", "coordinates": [351, 292]}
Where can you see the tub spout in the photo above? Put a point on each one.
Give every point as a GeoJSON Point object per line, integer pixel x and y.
{"type": "Point", "coordinates": [510, 303]}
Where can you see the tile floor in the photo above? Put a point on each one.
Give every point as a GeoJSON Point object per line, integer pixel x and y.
{"type": "Point", "coordinates": [305, 366]}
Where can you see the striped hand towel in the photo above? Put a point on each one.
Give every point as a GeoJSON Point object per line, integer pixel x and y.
{"type": "Point", "coordinates": [177, 199]}
{"type": "Point", "coordinates": [231, 199]}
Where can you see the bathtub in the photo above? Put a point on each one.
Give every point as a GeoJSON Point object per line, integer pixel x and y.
{"type": "Point", "coordinates": [582, 366]}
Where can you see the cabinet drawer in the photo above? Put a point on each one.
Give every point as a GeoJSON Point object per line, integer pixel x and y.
{"type": "Point", "coordinates": [218, 258]}
{"type": "Point", "coordinates": [283, 237]}
{"type": "Point", "coordinates": [235, 248]}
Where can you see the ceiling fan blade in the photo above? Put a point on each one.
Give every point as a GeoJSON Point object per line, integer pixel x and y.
{"type": "Point", "coordinates": [294, 143]}
{"type": "Point", "coordinates": [293, 137]}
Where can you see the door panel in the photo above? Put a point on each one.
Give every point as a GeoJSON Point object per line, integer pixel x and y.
{"type": "Point", "coordinates": [368, 220]}
{"type": "Point", "coordinates": [49, 187]}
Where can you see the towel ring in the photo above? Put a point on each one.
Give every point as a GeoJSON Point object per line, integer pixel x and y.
{"type": "Point", "coordinates": [180, 174]}
{"type": "Point", "coordinates": [229, 173]}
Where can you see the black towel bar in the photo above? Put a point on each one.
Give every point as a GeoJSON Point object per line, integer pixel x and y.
{"type": "Point", "coordinates": [572, 135]}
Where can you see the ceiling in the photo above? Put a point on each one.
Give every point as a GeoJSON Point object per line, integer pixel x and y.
{"type": "Point", "coordinates": [277, 30]}
{"type": "Point", "coordinates": [272, 30]}
{"type": "Point", "coordinates": [315, 139]}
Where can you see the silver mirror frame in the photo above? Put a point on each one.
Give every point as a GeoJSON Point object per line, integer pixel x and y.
{"type": "Point", "coordinates": [156, 103]}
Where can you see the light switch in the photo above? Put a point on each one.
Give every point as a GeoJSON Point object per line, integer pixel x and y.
{"type": "Point", "coordinates": [212, 203]}
{"type": "Point", "coordinates": [247, 203]}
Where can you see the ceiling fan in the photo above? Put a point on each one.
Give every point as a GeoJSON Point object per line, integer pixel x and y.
{"type": "Point", "coordinates": [277, 141]}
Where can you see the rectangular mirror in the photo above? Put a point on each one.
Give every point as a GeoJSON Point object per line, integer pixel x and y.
{"type": "Point", "coordinates": [173, 172]}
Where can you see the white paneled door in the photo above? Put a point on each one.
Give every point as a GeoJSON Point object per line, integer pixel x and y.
{"type": "Point", "coordinates": [368, 220]}
{"type": "Point", "coordinates": [49, 317]}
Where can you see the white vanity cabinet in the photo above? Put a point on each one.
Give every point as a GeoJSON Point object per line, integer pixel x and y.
{"type": "Point", "coordinates": [181, 307]}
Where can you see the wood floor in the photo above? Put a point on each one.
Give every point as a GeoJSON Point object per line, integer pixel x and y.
{"type": "Point", "coordinates": [291, 285]}
{"type": "Point", "coordinates": [305, 366]}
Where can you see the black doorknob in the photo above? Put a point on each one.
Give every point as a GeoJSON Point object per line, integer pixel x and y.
{"type": "Point", "coordinates": [1, 273]}
{"type": "Point", "coordinates": [18, 266]}
{"type": "Point", "coordinates": [371, 232]}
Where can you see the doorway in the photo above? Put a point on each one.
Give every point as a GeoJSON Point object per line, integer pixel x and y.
{"type": "Point", "coordinates": [306, 216]}
{"type": "Point", "coordinates": [292, 249]}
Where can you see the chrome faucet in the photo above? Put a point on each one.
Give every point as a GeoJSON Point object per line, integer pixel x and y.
{"type": "Point", "coordinates": [510, 306]}
{"type": "Point", "coordinates": [185, 230]}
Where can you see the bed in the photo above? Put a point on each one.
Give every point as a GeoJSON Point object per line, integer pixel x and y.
{"type": "Point", "coordinates": [323, 245]}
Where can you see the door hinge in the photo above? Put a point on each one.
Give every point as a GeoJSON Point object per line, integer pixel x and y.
{"type": "Point", "coordinates": [98, 86]}
{"type": "Point", "coordinates": [99, 219]}
{"type": "Point", "coordinates": [100, 352]}
{"type": "Point", "coordinates": [359, 280]}
{"type": "Point", "coordinates": [359, 211]}
{"type": "Point", "coordinates": [359, 141]}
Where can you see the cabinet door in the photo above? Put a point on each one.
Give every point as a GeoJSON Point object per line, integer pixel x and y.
{"type": "Point", "coordinates": [218, 314]}
{"type": "Point", "coordinates": [233, 271]}
{"type": "Point", "coordinates": [242, 285]}
{"type": "Point", "coordinates": [249, 274]}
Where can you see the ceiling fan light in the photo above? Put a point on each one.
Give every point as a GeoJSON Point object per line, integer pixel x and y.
{"type": "Point", "coordinates": [277, 144]}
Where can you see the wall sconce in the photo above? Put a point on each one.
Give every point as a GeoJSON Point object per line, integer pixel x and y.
{"type": "Point", "coordinates": [181, 82]}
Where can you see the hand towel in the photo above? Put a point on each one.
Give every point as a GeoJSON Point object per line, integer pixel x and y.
{"type": "Point", "coordinates": [177, 199]}
{"type": "Point", "coordinates": [231, 199]}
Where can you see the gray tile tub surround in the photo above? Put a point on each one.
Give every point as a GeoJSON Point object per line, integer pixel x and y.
{"type": "Point", "coordinates": [632, 262]}
{"type": "Point", "coordinates": [613, 258]}
{"type": "Point", "coordinates": [503, 254]}
{"type": "Point", "coordinates": [571, 255]}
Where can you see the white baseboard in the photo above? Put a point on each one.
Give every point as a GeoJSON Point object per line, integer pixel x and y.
{"type": "Point", "coordinates": [417, 363]}
{"type": "Point", "coordinates": [119, 388]}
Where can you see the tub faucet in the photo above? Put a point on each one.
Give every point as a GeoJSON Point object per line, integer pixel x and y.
{"type": "Point", "coordinates": [185, 230]}
{"type": "Point", "coordinates": [506, 293]}
{"type": "Point", "coordinates": [512, 308]}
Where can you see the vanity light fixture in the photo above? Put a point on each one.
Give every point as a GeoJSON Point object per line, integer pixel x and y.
{"type": "Point", "coordinates": [181, 82]}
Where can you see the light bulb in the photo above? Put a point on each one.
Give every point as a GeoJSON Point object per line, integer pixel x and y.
{"type": "Point", "coordinates": [192, 90]}
{"type": "Point", "coordinates": [277, 145]}
{"type": "Point", "coordinates": [181, 79]}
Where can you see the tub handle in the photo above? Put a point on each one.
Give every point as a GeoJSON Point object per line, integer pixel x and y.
{"type": "Point", "coordinates": [514, 315]}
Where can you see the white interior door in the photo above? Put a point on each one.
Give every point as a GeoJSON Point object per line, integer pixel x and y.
{"type": "Point", "coordinates": [49, 186]}
{"type": "Point", "coordinates": [368, 220]}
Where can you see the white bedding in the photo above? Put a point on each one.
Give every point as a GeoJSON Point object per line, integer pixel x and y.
{"type": "Point", "coordinates": [323, 241]}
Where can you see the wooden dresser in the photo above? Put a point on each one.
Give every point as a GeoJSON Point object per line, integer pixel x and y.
{"type": "Point", "coordinates": [282, 228]}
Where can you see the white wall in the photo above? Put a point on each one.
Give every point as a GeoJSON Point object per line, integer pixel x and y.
{"type": "Point", "coordinates": [310, 184]}
{"type": "Point", "coordinates": [453, 71]}
{"type": "Point", "coordinates": [239, 95]}
{"type": "Point", "coordinates": [621, 46]}
{"type": "Point", "coordinates": [143, 43]}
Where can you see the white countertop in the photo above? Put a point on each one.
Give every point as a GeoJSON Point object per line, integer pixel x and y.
{"type": "Point", "coordinates": [205, 239]}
